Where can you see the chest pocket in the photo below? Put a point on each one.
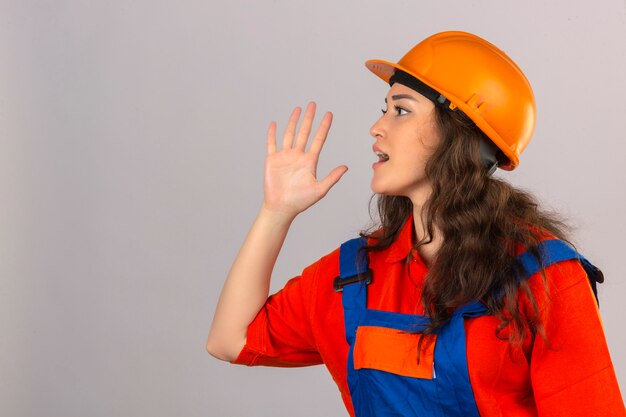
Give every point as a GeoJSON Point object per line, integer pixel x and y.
{"type": "Point", "coordinates": [394, 351]}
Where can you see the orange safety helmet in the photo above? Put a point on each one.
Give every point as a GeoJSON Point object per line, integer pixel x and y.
{"type": "Point", "coordinates": [479, 79]}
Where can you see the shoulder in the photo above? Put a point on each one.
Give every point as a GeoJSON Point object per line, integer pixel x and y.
{"type": "Point", "coordinates": [320, 275]}
{"type": "Point", "coordinates": [562, 285]}
{"type": "Point", "coordinates": [554, 258]}
{"type": "Point", "coordinates": [328, 263]}
{"type": "Point", "coordinates": [553, 266]}
{"type": "Point", "coordinates": [565, 274]}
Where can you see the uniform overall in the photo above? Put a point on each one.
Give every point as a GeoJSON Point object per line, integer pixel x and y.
{"type": "Point", "coordinates": [384, 375]}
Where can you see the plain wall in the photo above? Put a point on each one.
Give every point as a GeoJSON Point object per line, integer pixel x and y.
{"type": "Point", "coordinates": [132, 139]}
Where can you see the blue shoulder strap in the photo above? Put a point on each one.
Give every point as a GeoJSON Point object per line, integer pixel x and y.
{"type": "Point", "coordinates": [349, 264]}
{"type": "Point", "coordinates": [553, 251]}
{"type": "Point", "coordinates": [352, 264]}
{"type": "Point", "coordinates": [353, 269]}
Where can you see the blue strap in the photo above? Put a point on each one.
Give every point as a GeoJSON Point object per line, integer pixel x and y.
{"type": "Point", "coordinates": [553, 251]}
{"type": "Point", "coordinates": [550, 252]}
{"type": "Point", "coordinates": [351, 262]}
{"type": "Point", "coordinates": [354, 299]}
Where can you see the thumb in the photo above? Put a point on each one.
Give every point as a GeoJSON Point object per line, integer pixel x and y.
{"type": "Point", "coordinates": [332, 178]}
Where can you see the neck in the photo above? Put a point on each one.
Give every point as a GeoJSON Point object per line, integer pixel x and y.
{"type": "Point", "coordinates": [428, 251]}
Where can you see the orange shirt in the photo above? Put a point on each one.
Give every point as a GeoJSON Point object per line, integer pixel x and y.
{"type": "Point", "coordinates": [303, 325]}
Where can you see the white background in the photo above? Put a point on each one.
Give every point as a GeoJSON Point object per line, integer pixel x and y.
{"type": "Point", "coordinates": [131, 158]}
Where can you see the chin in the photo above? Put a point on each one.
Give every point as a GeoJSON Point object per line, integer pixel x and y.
{"type": "Point", "coordinates": [382, 191]}
{"type": "Point", "coordinates": [387, 189]}
{"type": "Point", "coordinates": [377, 188]}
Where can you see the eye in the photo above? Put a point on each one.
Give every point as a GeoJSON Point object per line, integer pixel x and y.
{"type": "Point", "coordinates": [400, 111]}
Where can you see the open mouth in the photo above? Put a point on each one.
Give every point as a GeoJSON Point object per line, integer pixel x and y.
{"type": "Point", "coordinates": [382, 157]}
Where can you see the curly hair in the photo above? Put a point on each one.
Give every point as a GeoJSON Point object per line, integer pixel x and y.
{"type": "Point", "coordinates": [483, 221]}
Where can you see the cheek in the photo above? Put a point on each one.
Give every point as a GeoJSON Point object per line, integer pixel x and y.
{"type": "Point", "coordinates": [428, 130]}
{"type": "Point", "coordinates": [419, 150]}
{"type": "Point", "coordinates": [411, 164]}
{"type": "Point", "coordinates": [429, 140]}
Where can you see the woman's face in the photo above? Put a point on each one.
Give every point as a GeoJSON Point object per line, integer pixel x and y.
{"type": "Point", "coordinates": [406, 137]}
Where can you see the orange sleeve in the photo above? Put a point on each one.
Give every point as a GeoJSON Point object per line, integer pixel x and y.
{"type": "Point", "coordinates": [281, 334]}
{"type": "Point", "coordinates": [572, 374]}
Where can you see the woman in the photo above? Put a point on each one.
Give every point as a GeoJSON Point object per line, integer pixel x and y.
{"type": "Point", "coordinates": [466, 301]}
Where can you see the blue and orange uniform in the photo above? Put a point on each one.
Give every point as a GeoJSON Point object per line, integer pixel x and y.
{"type": "Point", "coordinates": [367, 337]}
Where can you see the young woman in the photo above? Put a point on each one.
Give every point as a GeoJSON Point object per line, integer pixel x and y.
{"type": "Point", "coordinates": [466, 301]}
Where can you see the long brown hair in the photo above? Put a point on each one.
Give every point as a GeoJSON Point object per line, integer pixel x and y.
{"type": "Point", "coordinates": [483, 221]}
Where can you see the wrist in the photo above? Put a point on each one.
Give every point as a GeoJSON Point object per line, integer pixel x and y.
{"type": "Point", "coordinates": [277, 216]}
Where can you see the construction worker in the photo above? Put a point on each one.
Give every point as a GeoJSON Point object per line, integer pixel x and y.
{"type": "Point", "coordinates": [466, 300]}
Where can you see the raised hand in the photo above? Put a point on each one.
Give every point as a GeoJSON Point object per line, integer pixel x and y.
{"type": "Point", "coordinates": [291, 184]}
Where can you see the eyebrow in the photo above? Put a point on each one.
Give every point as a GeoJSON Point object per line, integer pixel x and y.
{"type": "Point", "coordinates": [401, 96]}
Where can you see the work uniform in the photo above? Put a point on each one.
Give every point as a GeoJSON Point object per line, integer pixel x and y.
{"type": "Point", "coordinates": [303, 324]}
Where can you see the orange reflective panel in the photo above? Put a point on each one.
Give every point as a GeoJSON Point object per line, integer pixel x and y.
{"type": "Point", "coordinates": [394, 351]}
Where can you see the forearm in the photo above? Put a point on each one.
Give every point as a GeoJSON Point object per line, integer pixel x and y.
{"type": "Point", "coordinates": [247, 285]}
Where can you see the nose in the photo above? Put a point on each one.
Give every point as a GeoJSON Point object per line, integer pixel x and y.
{"type": "Point", "coordinates": [377, 131]}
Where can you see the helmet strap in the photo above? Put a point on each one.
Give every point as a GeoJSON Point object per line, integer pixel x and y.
{"type": "Point", "coordinates": [488, 153]}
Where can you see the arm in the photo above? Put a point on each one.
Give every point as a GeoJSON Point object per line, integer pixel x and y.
{"type": "Point", "coordinates": [573, 375]}
{"type": "Point", "coordinates": [290, 187]}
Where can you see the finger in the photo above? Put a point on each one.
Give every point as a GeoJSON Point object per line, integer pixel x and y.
{"type": "Point", "coordinates": [331, 179]}
{"type": "Point", "coordinates": [290, 131]}
{"type": "Point", "coordinates": [322, 133]}
{"type": "Point", "coordinates": [271, 138]}
{"type": "Point", "coordinates": [305, 127]}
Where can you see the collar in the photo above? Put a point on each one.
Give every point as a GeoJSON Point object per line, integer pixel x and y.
{"type": "Point", "coordinates": [400, 249]}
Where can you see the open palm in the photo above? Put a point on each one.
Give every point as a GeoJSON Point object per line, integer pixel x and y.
{"type": "Point", "coordinates": [291, 184]}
